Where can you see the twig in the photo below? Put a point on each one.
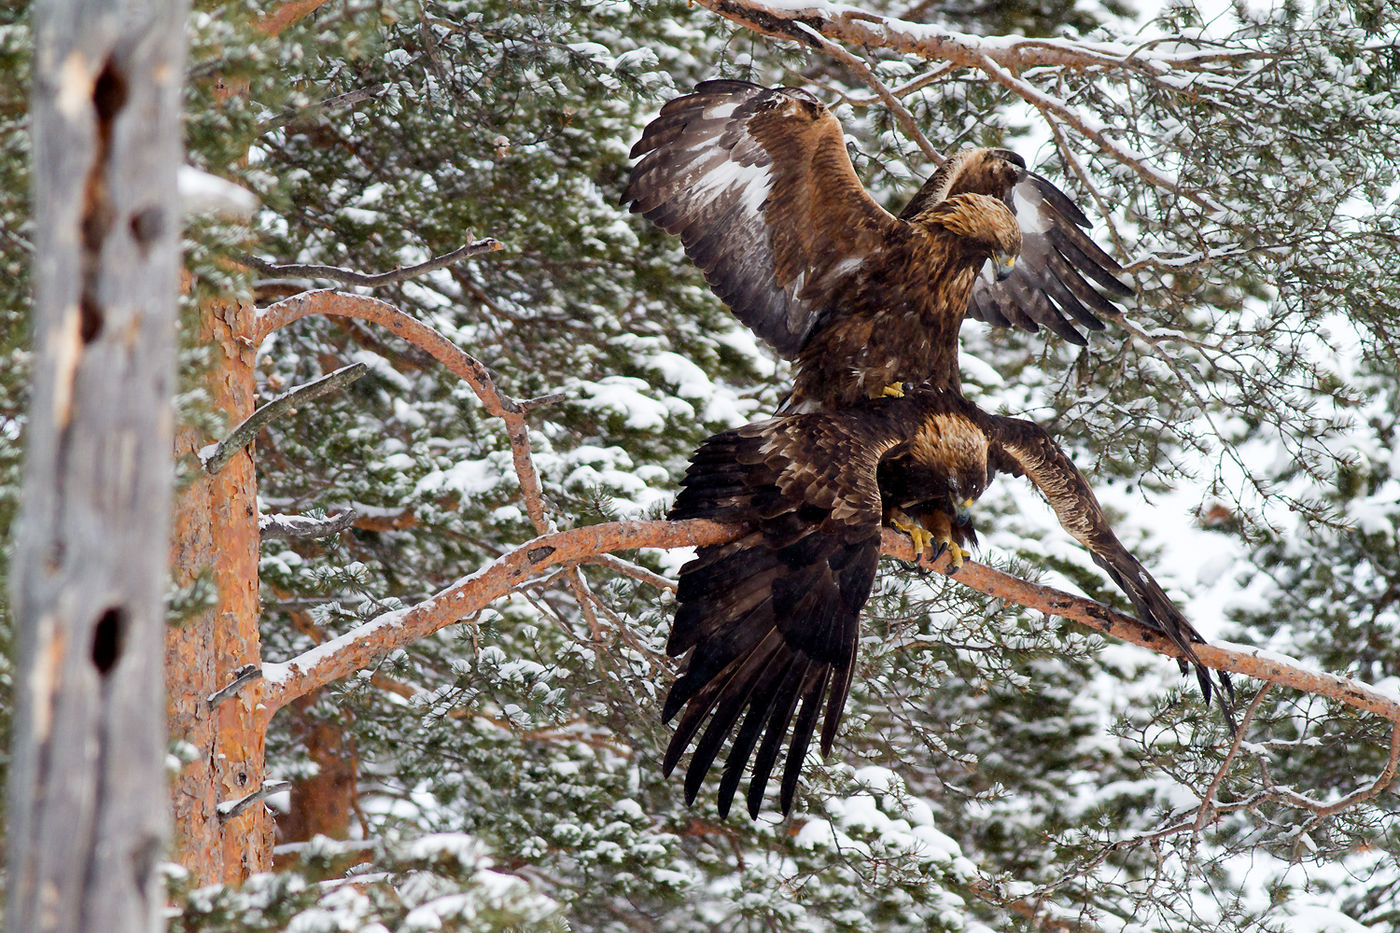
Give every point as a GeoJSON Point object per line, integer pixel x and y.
{"type": "Point", "coordinates": [243, 435]}
{"type": "Point", "coordinates": [1208, 798]}
{"type": "Point", "coordinates": [1374, 789]}
{"type": "Point", "coordinates": [348, 99]}
{"type": "Point", "coordinates": [371, 280]}
{"type": "Point", "coordinates": [635, 571]}
{"type": "Point", "coordinates": [301, 526]}
{"type": "Point", "coordinates": [1048, 105]}
{"type": "Point", "coordinates": [901, 113]}
{"type": "Point", "coordinates": [241, 678]}
{"type": "Point", "coordinates": [909, 87]}
{"type": "Point", "coordinates": [231, 808]}
{"type": "Point", "coordinates": [540, 401]}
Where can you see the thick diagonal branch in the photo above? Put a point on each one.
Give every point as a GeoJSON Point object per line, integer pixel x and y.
{"type": "Point", "coordinates": [358, 648]}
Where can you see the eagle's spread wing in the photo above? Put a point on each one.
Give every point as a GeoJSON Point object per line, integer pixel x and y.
{"type": "Point", "coordinates": [771, 620]}
{"type": "Point", "coordinates": [1050, 285]}
{"type": "Point", "coordinates": [1024, 448]}
{"type": "Point", "coordinates": [757, 183]}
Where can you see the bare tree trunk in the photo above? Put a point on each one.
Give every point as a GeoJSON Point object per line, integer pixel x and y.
{"type": "Point", "coordinates": [87, 808]}
{"type": "Point", "coordinates": [320, 805]}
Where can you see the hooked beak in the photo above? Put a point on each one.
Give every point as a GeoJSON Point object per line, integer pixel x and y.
{"type": "Point", "coordinates": [1003, 264]}
{"type": "Point", "coordinates": [962, 511]}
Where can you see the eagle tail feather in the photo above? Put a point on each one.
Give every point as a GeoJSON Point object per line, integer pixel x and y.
{"type": "Point", "coordinates": [759, 717]}
{"type": "Point", "coordinates": [802, 732]}
{"type": "Point", "coordinates": [767, 756]}
{"type": "Point", "coordinates": [740, 691]}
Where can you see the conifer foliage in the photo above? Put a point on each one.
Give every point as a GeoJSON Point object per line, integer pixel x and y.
{"type": "Point", "coordinates": [997, 768]}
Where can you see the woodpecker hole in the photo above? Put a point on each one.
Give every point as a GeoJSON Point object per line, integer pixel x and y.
{"type": "Point", "coordinates": [109, 95]}
{"type": "Point", "coordinates": [89, 319]}
{"type": "Point", "coordinates": [146, 226]}
{"type": "Point", "coordinates": [108, 640]}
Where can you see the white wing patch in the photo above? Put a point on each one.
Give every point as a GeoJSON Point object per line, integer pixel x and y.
{"type": "Point", "coordinates": [755, 181]}
{"type": "Point", "coordinates": [845, 266]}
{"type": "Point", "coordinates": [1026, 205]}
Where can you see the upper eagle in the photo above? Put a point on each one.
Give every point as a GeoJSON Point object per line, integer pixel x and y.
{"type": "Point", "coordinates": [758, 184]}
{"type": "Point", "coordinates": [769, 621]}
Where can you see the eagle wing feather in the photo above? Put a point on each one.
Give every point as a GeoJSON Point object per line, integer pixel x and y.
{"type": "Point", "coordinates": [1023, 448]}
{"type": "Point", "coordinates": [757, 183]}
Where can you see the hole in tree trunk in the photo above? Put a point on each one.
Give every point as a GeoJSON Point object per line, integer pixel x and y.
{"type": "Point", "coordinates": [109, 92]}
{"type": "Point", "coordinates": [109, 96]}
{"type": "Point", "coordinates": [108, 640]}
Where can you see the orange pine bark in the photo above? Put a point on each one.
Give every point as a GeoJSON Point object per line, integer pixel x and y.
{"type": "Point", "coordinates": [216, 533]}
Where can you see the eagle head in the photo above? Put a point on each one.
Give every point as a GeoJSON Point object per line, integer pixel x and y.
{"type": "Point", "coordinates": [954, 447]}
{"type": "Point", "coordinates": [984, 226]}
{"type": "Point", "coordinates": [966, 483]}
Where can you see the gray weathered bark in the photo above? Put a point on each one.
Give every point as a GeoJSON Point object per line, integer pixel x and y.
{"type": "Point", "coordinates": [86, 798]}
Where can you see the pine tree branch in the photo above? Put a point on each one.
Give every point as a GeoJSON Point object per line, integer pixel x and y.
{"type": "Point", "coordinates": [221, 453]}
{"type": "Point", "coordinates": [635, 571]}
{"type": "Point", "coordinates": [372, 280]}
{"type": "Point", "coordinates": [872, 31]}
{"type": "Point", "coordinates": [358, 648]}
{"type": "Point", "coordinates": [243, 676]}
{"type": "Point", "coordinates": [1207, 808]}
{"type": "Point", "coordinates": [460, 363]}
{"type": "Point", "coordinates": [906, 120]}
{"type": "Point", "coordinates": [464, 365]}
{"type": "Point", "coordinates": [301, 526]}
{"type": "Point", "coordinates": [330, 104]}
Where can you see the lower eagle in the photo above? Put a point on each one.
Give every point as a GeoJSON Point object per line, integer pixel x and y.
{"type": "Point", "coordinates": [769, 622]}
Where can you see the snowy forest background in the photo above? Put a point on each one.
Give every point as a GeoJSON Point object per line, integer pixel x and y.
{"type": "Point", "coordinates": [997, 769]}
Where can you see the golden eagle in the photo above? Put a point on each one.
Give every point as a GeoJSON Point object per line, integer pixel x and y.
{"type": "Point", "coordinates": [758, 184]}
{"type": "Point", "coordinates": [769, 621]}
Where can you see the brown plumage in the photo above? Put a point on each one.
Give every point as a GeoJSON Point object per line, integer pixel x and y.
{"type": "Point", "coordinates": [769, 622]}
{"type": "Point", "coordinates": [757, 183]}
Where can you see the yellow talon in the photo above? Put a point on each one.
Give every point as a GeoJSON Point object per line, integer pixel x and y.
{"type": "Point", "coordinates": [956, 556]}
{"type": "Point", "coordinates": [918, 533]}
{"type": "Point", "coordinates": [893, 390]}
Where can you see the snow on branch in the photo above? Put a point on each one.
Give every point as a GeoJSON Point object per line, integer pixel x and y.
{"type": "Point", "coordinates": [357, 649]}
{"type": "Point", "coordinates": [304, 526]}
{"type": "Point", "coordinates": [843, 23]}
